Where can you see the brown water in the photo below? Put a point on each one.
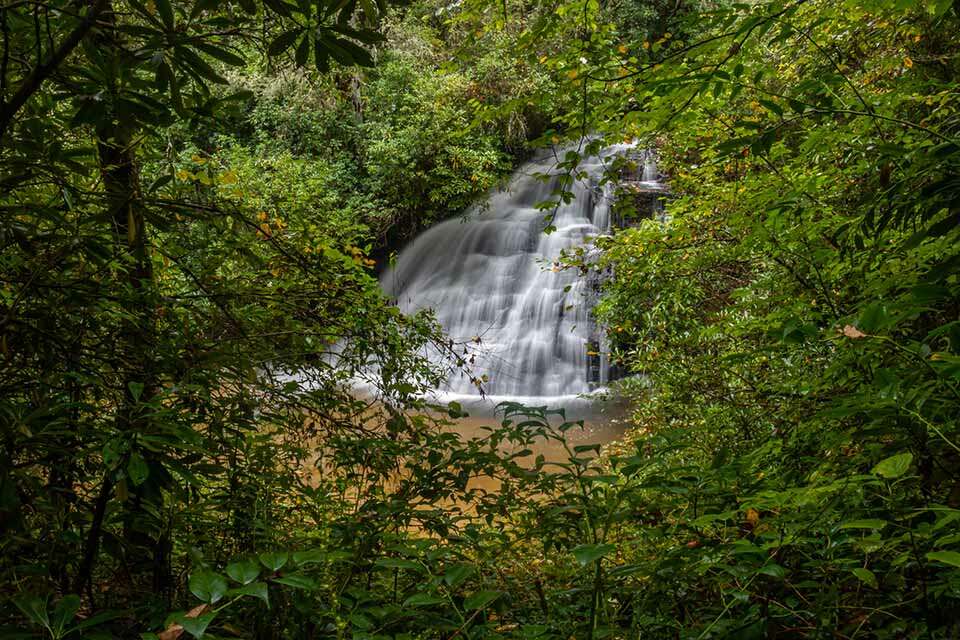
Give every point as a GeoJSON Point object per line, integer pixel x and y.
{"type": "Point", "coordinates": [601, 425]}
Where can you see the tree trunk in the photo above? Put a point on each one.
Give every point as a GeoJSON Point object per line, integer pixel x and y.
{"type": "Point", "coordinates": [145, 549]}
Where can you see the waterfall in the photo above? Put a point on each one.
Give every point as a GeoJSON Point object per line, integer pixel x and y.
{"type": "Point", "coordinates": [491, 281]}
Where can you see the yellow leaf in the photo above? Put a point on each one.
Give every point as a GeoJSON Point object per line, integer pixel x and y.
{"type": "Point", "coordinates": [907, 62]}
{"type": "Point", "coordinates": [572, 74]}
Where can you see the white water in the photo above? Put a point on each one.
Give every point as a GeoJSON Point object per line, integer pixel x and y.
{"type": "Point", "coordinates": [491, 277]}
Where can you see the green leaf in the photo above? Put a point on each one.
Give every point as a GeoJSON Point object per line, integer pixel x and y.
{"type": "Point", "coordinates": [196, 627]}
{"type": "Point", "coordinates": [296, 581]}
{"type": "Point", "coordinates": [166, 12]}
{"type": "Point", "coordinates": [480, 599]}
{"type": "Point", "coordinates": [34, 608]}
{"type": "Point", "coordinates": [159, 182]}
{"type": "Point", "coordinates": [311, 556]}
{"type": "Point", "coordinates": [137, 469]}
{"type": "Point", "coordinates": [283, 42]}
{"type": "Point", "coordinates": [868, 523]}
{"type": "Point", "coordinates": [303, 51]}
{"type": "Point", "coordinates": [94, 620]}
{"type": "Point", "coordinates": [587, 553]}
{"type": "Point", "coordinates": [274, 560]}
{"type": "Point", "coordinates": [220, 54]}
{"type": "Point", "coordinates": [947, 557]}
{"type": "Point", "coordinates": [357, 54]}
{"type": "Point", "coordinates": [280, 7]}
{"type": "Point", "coordinates": [208, 586]}
{"type": "Point", "coordinates": [455, 574]}
{"type": "Point", "coordinates": [366, 36]}
{"type": "Point", "coordinates": [866, 576]}
{"type": "Point", "coordinates": [136, 390]}
{"type": "Point", "coordinates": [422, 600]}
{"type": "Point", "coordinates": [255, 589]}
{"type": "Point", "coordinates": [894, 466]}
{"type": "Point", "coordinates": [773, 570]}
{"type": "Point", "coordinates": [398, 563]}
{"type": "Point", "coordinates": [874, 317]}
{"type": "Point", "coordinates": [772, 106]}
{"type": "Point", "coordinates": [244, 571]}
{"type": "Point", "coordinates": [200, 66]}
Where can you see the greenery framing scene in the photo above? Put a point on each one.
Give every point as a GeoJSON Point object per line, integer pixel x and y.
{"type": "Point", "coordinates": [468, 320]}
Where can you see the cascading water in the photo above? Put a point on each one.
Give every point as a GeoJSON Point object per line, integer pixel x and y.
{"type": "Point", "coordinates": [490, 277]}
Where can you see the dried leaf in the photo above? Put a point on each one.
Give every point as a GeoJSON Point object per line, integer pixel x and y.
{"type": "Point", "coordinates": [175, 630]}
{"type": "Point", "coordinates": [852, 332]}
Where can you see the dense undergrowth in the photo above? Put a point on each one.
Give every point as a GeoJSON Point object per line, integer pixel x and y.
{"type": "Point", "coordinates": [191, 195]}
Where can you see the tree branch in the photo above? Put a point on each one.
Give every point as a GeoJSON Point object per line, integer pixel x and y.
{"type": "Point", "coordinates": [41, 72]}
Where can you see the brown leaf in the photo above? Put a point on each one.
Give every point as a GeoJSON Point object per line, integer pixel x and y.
{"type": "Point", "coordinates": [171, 633]}
{"type": "Point", "coordinates": [852, 332]}
{"type": "Point", "coordinates": [174, 631]}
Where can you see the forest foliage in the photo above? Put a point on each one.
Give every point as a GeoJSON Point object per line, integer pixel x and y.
{"type": "Point", "coordinates": [195, 196]}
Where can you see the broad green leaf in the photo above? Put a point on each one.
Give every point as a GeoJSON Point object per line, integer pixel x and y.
{"type": "Point", "coordinates": [65, 611]}
{"type": "Point", "coordinates": [894, 466]}
{"type": "Point", "coordinates": [874, 317]}
{"type": "Point", "coordinates": [480, 599]}
{"type": "Point", "coordinates": [773, 570]}
{"type": "Point", "coordinates": [866, 576]}
{"type": "Point", "coordinates": [255, 589]}
{"type": "Point", "coordinates": [533, 630]}
{"type": "Point", "coordinates": [312, 556]}
{"type": "Point", "coordinates": [96, 619]}
{"type": "Point", "coordinates": [244, 571]}
{"type": "Point", "coordinates": [221, 54]}
{"type": "Point", "coordinates": [947, 557]}
{"type": "Point", "coordinates": [34, 608]}
{"type": "Point", "coordinates": [457, 573]}
{"type": "Point", "coordinates": [137, 469]}
{"type": "Point", "coordinates": [136, 390]}
{"type": "Point", "coordinates": [208, 586]}
{"type": "Point", "coordinates": [274, 560]}
{"type": "Point", "coordinates": [283, 42]}
{"type": "Point", "coordinates": [587, 553]}
{"type": "Point", "coordinates": [302, 52]}
{"type": "Point", "coordinates": [197, 627]}
{"type": "Point", "coordinates": [166, 12]}
{"type": "Point", "coordinates": [422, 600]}
{"type": "Point", "coordinates": [399, 563]}
{"type": "Point", "coordinates": [869, 523]}
{"type": "Point", "coordinates": [297, 581]}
